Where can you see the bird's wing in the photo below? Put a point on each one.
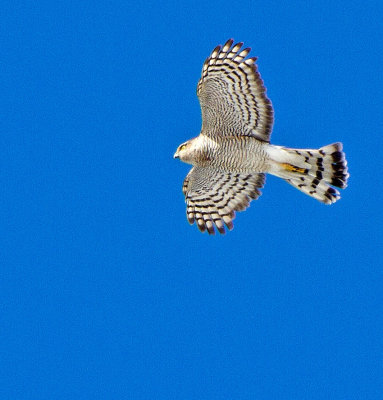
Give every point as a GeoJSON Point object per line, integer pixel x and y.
{"type": "Point", "coordinates": [232, 96]}
{"type": "Point", "coordinates": [213, 196]}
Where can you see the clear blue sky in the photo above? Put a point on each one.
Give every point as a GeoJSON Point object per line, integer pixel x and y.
{"type": "Point", "coordinates": [105, 289]}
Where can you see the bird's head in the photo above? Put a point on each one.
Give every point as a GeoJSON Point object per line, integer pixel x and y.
{"type": "Point", "coordinates": [184, 152]}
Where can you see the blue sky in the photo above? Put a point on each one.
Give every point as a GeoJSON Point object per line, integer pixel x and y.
{"type": "Point", "coordinates": [105, 289]}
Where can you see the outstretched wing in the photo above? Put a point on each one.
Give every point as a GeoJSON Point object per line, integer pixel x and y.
{"type": "Point", "coordinates": [213, 196]}
{"type": "Point", "coordinates": [232, 96]}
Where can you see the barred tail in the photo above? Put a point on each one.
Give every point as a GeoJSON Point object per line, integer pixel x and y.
{"type": "Point", "coordinates": [313, 171]}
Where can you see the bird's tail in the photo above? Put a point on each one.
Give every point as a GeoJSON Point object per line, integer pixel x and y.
{"type": "Point", "coordinates": [312, 171]}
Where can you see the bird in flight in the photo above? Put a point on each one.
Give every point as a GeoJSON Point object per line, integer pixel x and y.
{"type": "Point", "coordinates": [232, 153]}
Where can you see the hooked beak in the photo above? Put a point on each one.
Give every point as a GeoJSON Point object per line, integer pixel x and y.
{"type": "Point", "coordinates": [176, 155]}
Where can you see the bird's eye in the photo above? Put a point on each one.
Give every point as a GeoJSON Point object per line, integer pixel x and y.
{"type": "Point", "coordinates": [182, 147]}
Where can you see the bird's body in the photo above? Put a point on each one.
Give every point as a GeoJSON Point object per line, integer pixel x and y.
{"type": "Point", "coordinates": [233, 153]}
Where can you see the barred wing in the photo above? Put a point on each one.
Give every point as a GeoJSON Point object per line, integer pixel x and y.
{"type": "Point", "coordinates": [213, 196]}
{"type": "Point", "coordinates": [232, 96]}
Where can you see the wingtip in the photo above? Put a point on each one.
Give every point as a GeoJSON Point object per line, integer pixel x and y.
{"type": "Point", "coordinates": [228, 43]}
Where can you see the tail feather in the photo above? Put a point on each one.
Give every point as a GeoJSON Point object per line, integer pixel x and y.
{"type": "Point", "coordinates": [313, 171]}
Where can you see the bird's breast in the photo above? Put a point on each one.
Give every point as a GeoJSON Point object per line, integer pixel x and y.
{"type": "Point", "coordinates": [241, 154]}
